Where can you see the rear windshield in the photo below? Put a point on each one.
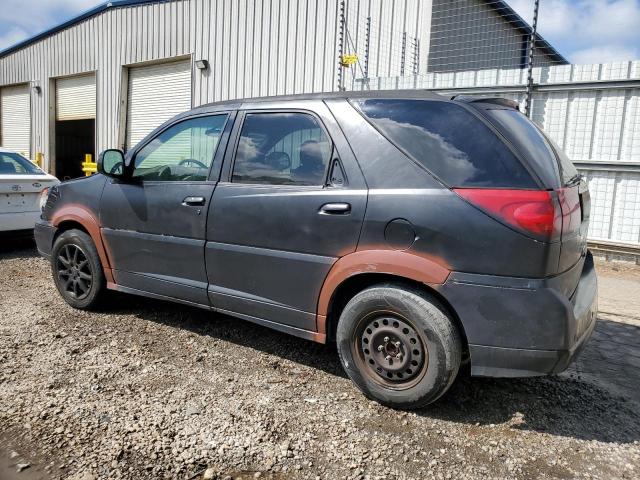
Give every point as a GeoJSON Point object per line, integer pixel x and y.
{"type": "Point", "coordinates": [15, 164]}
{"type": "Point", "coordinates": [534, 144]}
{"type": "Point", "coordinates": [449, 141]}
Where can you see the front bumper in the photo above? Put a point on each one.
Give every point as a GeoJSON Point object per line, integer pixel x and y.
{"type": "Point", "coordinates": [524, 327]}
{"type": "Point", "coordinates": [44, 234]}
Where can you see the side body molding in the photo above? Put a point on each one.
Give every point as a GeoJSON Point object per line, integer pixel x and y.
{"type": "Point", "coordinates": [406, 264]}
{"type": "Point", "coordinates": [80, 214]}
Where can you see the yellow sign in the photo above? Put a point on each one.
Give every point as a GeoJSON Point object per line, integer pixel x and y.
{"type": "Point", "coordinates": [348, 60]}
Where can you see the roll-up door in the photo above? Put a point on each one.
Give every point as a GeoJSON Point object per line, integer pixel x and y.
{"type": "Point", "coordinates": [76, 98]}
{"type": "Point", "coordinates": [156, 93]}
{"type": "Point", "coordinates": [15, 119]}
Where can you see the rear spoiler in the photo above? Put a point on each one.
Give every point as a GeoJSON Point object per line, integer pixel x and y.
{"type": "Point", "coordinates": [503, 102]}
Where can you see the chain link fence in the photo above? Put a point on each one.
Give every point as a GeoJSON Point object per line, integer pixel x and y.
{"type": "Point", "coordinates": [399, 39]}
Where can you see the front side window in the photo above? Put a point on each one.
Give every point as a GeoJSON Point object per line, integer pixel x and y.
{"type": "Point", "coordinates": [282, 149]}
{"type": "Point", "coordinates": [15, 164]}
{"type": "Point", "coordinates": [183, 152]}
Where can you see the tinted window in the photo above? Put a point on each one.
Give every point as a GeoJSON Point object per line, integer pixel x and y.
{"type": "Point", "coordinates": [449, 141]}
{"type": "Point", "coordinates": [282, 149]}
{"type": "Point", "coordinates": [568, 170]}
{"type": "Point", "coordinates": [15, 164]}
{"type": "Point", "coordinates": [182, 152]}
{"type": "Point", "coordinates": [528, 138]}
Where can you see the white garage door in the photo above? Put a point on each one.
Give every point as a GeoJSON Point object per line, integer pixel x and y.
{"type": "Point", "coordinates": [156, 93]}
{"type": "Point", "coordinates": [15, 119]}
{"type": "Point", "coordinates": [76, 98]}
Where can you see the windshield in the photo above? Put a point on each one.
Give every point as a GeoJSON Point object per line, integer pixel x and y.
{"type": "Point", "coordinates": [15, 164]}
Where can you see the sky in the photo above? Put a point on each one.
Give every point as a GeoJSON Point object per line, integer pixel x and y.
{"type": "Point", "coordinates": [584, 31]}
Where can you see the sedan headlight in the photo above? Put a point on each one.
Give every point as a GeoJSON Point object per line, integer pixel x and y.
{"type": "Point", "coordinates": [42, 201]}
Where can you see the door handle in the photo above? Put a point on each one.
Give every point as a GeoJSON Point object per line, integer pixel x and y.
{"type": "Point", "coordinates": [335, 209]}
{"type": "Point", "coordinates": [193, 202]}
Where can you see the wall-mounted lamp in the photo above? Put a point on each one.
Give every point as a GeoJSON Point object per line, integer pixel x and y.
{"type": "Point", "coordinates": [202, 64]}
{"type": "Point", "coordinates": [36, 89]}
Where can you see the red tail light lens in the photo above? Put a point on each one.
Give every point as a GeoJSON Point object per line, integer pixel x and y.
{"type": "Point", "coordinates": [534, 212]}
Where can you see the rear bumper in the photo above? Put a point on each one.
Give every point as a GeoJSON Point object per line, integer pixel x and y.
{"type": "Point", "coordinates": [523, 327]}
{"type": "Point", "coordinates": [44, 233]}
{"type": "Point", "coordinates": [15, 221]}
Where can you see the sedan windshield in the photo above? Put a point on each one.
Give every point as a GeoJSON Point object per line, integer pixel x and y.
{"type": "Point", "coordinates": [15, 164]}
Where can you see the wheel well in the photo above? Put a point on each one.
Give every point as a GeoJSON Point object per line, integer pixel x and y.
{"type": "Point", "coordinates": [69, 225]}
{"type": "Point", "coordinates": [353, 285]}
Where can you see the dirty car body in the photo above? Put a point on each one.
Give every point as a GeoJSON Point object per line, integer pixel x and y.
{"type": "Point", "coordinates": [296, 205]}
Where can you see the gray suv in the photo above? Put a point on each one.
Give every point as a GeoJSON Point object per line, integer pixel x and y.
{"type": "Point", "coordinates": [419, 233]}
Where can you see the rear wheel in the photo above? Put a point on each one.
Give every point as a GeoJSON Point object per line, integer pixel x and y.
{"type": "Point", "coordinates": [398, 346]}
{"type": "Point", "coordinates": [77, 270]}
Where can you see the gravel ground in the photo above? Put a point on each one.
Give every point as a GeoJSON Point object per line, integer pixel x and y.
{"type": "Point", "coordinates": [146, 389]}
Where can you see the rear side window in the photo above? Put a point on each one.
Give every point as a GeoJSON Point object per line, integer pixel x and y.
{"type": "Point", "coordinates": [533, 144]}
{"type": "Point", "coordinates": [449, 141]}
{"type": "Point", "coordinates": [568, 170]}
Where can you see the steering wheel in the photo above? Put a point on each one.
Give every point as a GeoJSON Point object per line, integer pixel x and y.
{"type": "Point", "coordinates": [165, 173]}
{"type": "Point", "coordinates": [198, 163]}
{"type": "Point", "coordinates": [116, 169]}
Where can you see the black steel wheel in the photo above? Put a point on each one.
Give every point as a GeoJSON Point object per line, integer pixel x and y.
{"type": "Point", "coordinates": [74, 271]}
{"type": "Point", "coordinates": [77, 270]}
{"type": "Point", "coordinates": [399, 345]}
{"type": "Point", "coordinates": [391, 349]}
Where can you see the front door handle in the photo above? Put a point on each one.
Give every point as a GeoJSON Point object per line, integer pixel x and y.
{"type": "Point", "coordinates": [193, 202]}
{"type": "Point", "coordinates": [335, 209]}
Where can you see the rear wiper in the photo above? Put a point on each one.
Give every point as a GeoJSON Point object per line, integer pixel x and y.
{"type": "Point", "coordinates": [576, 179]}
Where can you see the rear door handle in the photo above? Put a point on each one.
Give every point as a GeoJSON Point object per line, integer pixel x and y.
{"type": "Point", "coordinates": [335, 209]}
{"type": "Point", "coordinates": [193, 202]}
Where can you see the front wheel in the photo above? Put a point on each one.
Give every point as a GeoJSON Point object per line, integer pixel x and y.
{"type": "Point", "coordinates": [77, 270]}
{"type": "Point", "coordinates": [399, 346]}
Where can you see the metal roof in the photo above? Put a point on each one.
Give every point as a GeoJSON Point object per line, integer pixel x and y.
{"type": "Point", "coordinates": [77, 19]}
{"type": "Point", "coordinates": [499, 5]}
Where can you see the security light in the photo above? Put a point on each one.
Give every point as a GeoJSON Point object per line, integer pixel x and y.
{"type": "Point", "coordinates": [202, 64]}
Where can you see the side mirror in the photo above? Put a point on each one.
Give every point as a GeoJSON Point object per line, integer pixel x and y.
{"type": "Point", "coordinates": [111, 163]}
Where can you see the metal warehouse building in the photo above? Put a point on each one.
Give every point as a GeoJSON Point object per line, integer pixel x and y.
{"type": "Point", "coordinates": [108, 77]}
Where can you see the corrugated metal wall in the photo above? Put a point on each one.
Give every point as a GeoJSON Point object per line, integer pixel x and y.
{"type": "Point", "coordinates": [254, 48]}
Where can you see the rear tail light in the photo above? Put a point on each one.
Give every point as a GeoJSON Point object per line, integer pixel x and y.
{"type": "Point", "coordinates": [535, 213]}
{"type": "Point", "coordinates": [42, 200]}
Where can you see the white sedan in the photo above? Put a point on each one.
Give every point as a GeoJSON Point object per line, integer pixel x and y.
{"type": "Point", "coordinates": [23, 191]}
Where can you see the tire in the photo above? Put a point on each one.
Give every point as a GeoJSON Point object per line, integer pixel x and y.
{"type": "Point", "coordinates": [410, 323]}
{"type": "Point", "coordinates": [75, 264]}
